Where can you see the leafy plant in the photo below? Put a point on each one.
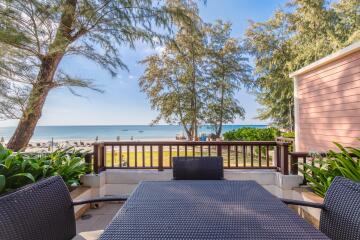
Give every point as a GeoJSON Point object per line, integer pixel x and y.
{"type": "Point", "coordinates": [2, 182]}
{"type": "Point", "coordinates": [322, 171]}
{"type": "Point", "coordinates": [69, 164]}
{"type": "Point", "coordinates": [14, 172]}
{"type": "Point", "coordinates": [19, 169]}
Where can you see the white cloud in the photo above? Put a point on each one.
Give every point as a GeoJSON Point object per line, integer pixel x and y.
{"type": "Point", "coordinates": [148, 49]}
{"type": "Point", "coordinates": [159, 49]}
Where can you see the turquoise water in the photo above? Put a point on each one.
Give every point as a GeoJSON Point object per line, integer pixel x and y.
{"type": "Point", "coordinates": [111, 132]}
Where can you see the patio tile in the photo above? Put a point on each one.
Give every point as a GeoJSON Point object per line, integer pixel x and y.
{"type": "Point", "coordinates": [278, 192]}
{"type": "Point", "coordinates": [91, 228]}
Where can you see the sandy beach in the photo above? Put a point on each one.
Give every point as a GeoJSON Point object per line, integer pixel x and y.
{"type": "Point", "coordinates": [86, 145]}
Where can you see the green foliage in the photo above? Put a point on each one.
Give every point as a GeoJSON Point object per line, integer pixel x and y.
{"type": "Point", "coordinates": [33, 31]}
{"type": "Point", "coordinates": [2, 183]}
{"type": "Point", "coordinates": [322, 172]}
{"type": "Point", "coordinates": [252, 134]}
{"type": "Point", "coordinates": [288, 134]}
{"type": "Point", "coordinates": [14, 171]}
{"type": "Point", "coordinates": [19, 169]}
{"type": "Point", "coordinates": [295, 36]}
{"type": "Point", "coordinates": [69, 164]}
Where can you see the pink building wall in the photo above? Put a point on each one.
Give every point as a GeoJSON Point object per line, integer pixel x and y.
{"type": "Point", "coordinates": [327, 102]}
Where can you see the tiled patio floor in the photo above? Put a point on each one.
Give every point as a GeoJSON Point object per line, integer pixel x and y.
{"type": "Point", "coordinates": [90, 228]}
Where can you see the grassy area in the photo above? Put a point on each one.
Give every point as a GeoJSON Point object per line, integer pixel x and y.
{"type": "Point", "coordinates": [150, 158]}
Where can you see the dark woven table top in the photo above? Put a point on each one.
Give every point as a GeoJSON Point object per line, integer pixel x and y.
{"type": "Point", "coordinates": [206, 210]}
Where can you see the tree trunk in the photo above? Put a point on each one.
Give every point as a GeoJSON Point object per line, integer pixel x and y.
{"type": "Point", "coordinates": [189, 135]}
{"type": "Point", "coordinates": [219, 130]}
{"type": "Point", "coordinates": [291, 116]}
{"type": "Point", "coordinates": [37, 97]}
{"type": "Point", "coordinates": [195, 117]}
{"type": "Point", "coordinates": [187, 131]}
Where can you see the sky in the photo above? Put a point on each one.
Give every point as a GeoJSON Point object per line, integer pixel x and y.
{"type": "Point", "coordinates": [122, 102]}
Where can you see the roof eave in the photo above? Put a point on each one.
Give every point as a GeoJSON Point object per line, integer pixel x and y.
{"type": "Point", "coordinates": [330, 58]}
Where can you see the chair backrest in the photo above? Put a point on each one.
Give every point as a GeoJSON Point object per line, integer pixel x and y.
{"type": "Point", "coordinates": [198, 168]}
{"type": "Point", "coordinates": [341, 217]}
{"type": "Point", "coordinates": [42, 210]}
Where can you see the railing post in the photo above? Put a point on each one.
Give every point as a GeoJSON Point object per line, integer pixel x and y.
{"type": "Point", "coordinates": [277, 157]}
{"type": "Point", "coordinates": [102, 153]}
{"type": "Point", "coordinates": [294, 169]}
{"type": "Point", "coordinates": [283, 151]}
{"type": "Point", "coordinates": [96, 158]}
{"type": "Point", "coordinates": [99, 157]}
{"type": "Point", "coordinates": [219, 150]}
{"type": "Point", "coordinates": [88, 158]}
{"type": "Point", "coordinates": [161, 166]}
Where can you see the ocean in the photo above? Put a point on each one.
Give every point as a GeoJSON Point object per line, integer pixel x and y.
{"type": "Point", "coordinates": [110, 133]}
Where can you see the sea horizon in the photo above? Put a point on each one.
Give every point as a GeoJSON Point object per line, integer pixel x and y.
{"type": "Point", "coordinates": [112, 132]}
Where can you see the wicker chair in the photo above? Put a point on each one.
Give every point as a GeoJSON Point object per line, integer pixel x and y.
{"type": "Point", "coordinates": [43, 210]}
{"type": "Point", "coordinates": [340, 212]}
{"type": "Point", "coordinates": [198, 168]}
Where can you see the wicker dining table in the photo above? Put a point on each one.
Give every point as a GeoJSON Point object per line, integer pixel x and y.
{"type": "Point", "coordinates": [206, 210]}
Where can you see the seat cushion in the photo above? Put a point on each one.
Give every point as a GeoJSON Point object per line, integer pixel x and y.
{"type": "Point", "coordinates": [198, 168]}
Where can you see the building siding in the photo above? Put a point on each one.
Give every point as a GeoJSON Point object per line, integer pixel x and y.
{"type": "Point", "coordinates": [328, 105]}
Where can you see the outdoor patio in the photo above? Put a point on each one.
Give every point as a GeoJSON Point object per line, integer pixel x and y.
{"type": "Point", "coordinates": [194, 120]}
{"type": "Point", "coordinates": [120, 166]}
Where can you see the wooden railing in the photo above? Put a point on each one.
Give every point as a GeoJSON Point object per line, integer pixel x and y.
{"type": "Point", "coordinates": [298, 159]}
{"type": "Point", "coordinates": [158, 155]}
{"type": "Point", "coordinates": [290, 141]}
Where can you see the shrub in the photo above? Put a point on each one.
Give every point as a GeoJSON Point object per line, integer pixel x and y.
{"type": "Point", "coordinates": [19, 169]}
{"type": "Point", "coordinates": [322, 172]}
{"type": "Point", "coordinates": [288, 134]}
{"type": "Point", "coordinates": [14, 171]}
{"type": "Point", "coordinates": [252, 134]}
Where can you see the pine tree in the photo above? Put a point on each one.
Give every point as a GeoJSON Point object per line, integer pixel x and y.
{"type": "Point", "coordinates": [227, 70]}
{"type": "Point", "coordinates": [173, 79]}
{"type": "Point", "coordinates": [193, 81]}
{"type": "Point", "coordinates": [294, 37]}
{"type": "Point", "coordinates": [36, 35]}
